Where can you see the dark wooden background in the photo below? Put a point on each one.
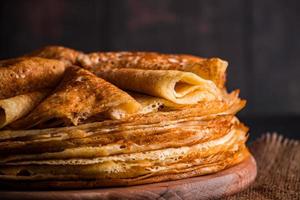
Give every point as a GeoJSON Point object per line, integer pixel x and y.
{"type": "Point", "coordinates": [260, 39]}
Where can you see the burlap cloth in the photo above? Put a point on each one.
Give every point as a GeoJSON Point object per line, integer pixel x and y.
{"type": "Point", "coordinates": [278, 161]}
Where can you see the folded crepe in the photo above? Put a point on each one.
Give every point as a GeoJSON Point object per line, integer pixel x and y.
{"type": "Point", "coordinates": [23, 75]}
{"type": "Point", "coordinates": [176, 86]}
{"type": "Point", "coordinates": [80, 97]}
{"type": "Point", "coordinates": [211, 69]}
{"type": "Point", "coordinates": [67, 55]}
{"type": "Point", "coordinates": [16, 107]}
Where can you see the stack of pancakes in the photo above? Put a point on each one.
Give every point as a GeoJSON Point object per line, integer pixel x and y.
{"type": "Point", "coordinates": [71, 119]}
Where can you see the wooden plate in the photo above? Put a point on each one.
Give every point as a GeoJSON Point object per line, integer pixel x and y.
{"type": "Point", "coordinates": [226, 182]}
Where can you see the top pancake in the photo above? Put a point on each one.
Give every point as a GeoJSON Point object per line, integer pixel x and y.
{"type": "Point", "coordinates": [213, 69]}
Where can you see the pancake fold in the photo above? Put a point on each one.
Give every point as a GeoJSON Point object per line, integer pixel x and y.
{"type": "Point", "coordinates": [17, 107]}
{"type": "Point", "coordinates": [213, 69]}
{"type": "Point", "coordinates": [176, 86]}
{"type": "Point", "coordinates": [80, 97]}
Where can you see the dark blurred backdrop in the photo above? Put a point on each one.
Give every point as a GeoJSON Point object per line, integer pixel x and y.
{"type": "Point", "coordinates": [260, 39]}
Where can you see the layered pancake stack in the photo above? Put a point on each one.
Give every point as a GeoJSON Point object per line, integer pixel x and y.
{"type": "Point", "coordinates": [71, 119]}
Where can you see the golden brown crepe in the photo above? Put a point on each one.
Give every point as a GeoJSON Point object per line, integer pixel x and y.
{"type": "Point", "coordinates": [23, 75]}
{"type": "Point", "coordinates": [211, 69]}
{"type": "Point", "coordinates": [176, 86]}
{"type": "Point", "coordinates": [67, 55]}
{"type": "Point", "coordinates": [16, 107]}
{"type": "Point", "coordinates": [80, 96]}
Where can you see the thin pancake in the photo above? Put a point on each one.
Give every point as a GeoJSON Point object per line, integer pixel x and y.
{"type": "Point", "coordinates": [16, 107]}
{"type": "Point", "coordinates": [211, 69]}
{"type": "Point", "coordinates": [23, 75]}
{"type": "Point", "coordinates": [176, 86]}
{"type": "Point", "coordinates": [80, 96]}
